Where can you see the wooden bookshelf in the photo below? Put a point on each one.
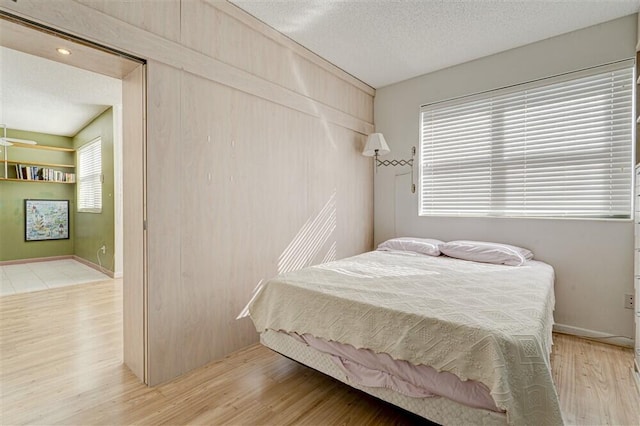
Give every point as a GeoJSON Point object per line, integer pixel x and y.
{"type": "Point", "coordinates": [36, 163]}
{"type": "Point", "coordinates": [48, 148]}
{"type": "Point", "coordinates": [36, 181]}
{"type": "Point", "coordinates": [38, 166]}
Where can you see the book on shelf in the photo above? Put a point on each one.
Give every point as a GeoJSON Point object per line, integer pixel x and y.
{"type": "Point", "coordinates": [43, 174]}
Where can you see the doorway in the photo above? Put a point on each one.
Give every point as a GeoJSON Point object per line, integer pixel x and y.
{"type": "Point", "coordinates": [129, 257]}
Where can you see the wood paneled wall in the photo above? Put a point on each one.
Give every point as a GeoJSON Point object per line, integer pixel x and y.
{"type": "Point", "coordinates": [253, 162]}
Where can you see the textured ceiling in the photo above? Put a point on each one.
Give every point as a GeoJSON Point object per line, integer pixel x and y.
{"type": "Point", "coordinates": [44, 96]}
{"type": "Point", "coordinates": [382, 42]}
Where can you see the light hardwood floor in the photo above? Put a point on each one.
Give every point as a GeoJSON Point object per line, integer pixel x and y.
{"type": "Point", "coordinates": [61, 363]}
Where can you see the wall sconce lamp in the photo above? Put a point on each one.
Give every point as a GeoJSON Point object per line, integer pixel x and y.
{"type": "Point", "coordinates": [377, 146]}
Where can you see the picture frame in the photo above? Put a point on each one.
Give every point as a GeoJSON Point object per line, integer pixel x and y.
{"type": "Point", "coordinates": [46, 220]}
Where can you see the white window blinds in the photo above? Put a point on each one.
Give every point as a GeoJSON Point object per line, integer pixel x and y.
{"type": "Point", "coordinates": [90, 177]}
{"type": "Point", "coordinates": [559, 147]}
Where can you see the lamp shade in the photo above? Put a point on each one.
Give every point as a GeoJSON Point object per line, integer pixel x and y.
{"type": "Point", "coordinates": [375, 141]}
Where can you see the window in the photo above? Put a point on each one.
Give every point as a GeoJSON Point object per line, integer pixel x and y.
{"type": "Point", "coordinates": [558, 147]}
{"type": "Point", "coordinates": [90, 177]}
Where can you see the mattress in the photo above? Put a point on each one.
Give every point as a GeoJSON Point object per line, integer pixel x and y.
{"type": "Point", "coordinates": [482, 322]}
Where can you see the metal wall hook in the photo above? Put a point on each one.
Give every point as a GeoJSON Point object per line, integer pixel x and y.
{"type": "Point", "coordinates": [393, 163]}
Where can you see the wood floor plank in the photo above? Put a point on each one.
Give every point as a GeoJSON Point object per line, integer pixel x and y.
{"type": "Point", "coordinates": [594, 382]}
{"type": "Point", "coordinates": [61, 363]}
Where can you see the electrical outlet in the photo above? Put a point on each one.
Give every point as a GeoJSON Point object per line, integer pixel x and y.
{"type": "Point", "coordinates": [628, 301]}
{"type": "Point", "coordinates": [103, 249]}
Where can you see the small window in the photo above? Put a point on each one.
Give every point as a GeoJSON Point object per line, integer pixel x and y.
{"type": "Point", "coordinates": [90, 177]}
{"type": "Point", "coordinates": [558, 148]}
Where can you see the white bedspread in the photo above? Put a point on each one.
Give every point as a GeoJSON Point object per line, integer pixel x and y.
{"type": "Point", "coordinates": [489, 323]}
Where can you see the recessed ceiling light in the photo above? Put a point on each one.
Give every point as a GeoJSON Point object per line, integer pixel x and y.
{"type": "Point", "coordinates": [63, 51]}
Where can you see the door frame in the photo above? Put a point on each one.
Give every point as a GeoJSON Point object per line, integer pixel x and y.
{"type": "Point", "coordinates": [34, 39]}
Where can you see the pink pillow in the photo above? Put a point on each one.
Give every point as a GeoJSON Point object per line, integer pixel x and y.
{"type": "Point", "coordinates": [480, 251]}
{"type": "Point", "coordinates": [426, 246]}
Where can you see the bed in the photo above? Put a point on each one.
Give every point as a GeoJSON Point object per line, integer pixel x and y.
{"type": "Point", "coordinates": [481, 323]}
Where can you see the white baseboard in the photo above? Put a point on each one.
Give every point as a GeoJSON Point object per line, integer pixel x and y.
{"type": "Point", "coordinates": [636, 373]}
{"type": "Point", "coordinates": [94, 266]}
{"type": "Point", "coordinates": [627, 342]}
{"type": "Point", "coordinates": [117, 275]}
{"type": "Point", "coordinates": [35, 259]}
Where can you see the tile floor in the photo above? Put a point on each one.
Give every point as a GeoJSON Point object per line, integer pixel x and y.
{"type": "Point", "coordinates": [36, 276]}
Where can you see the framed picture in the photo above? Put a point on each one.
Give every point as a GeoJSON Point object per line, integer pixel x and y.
{"type": "Point", "coordinates": [46, 220]}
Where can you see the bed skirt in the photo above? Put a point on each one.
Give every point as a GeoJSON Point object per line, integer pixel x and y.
{"type": "Point", "coordinates": [437, 409]}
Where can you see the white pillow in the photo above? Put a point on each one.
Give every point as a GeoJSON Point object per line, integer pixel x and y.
{"type": "Point", "coordinates": [426, 246]}
{"type": "Point", "coordinates": [480, 251]}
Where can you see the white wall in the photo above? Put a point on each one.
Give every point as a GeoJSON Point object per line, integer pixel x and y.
{"type": "Point", "coordinates": [593, 260]}
{"type": "Point", "coordinates": [638, 35]}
